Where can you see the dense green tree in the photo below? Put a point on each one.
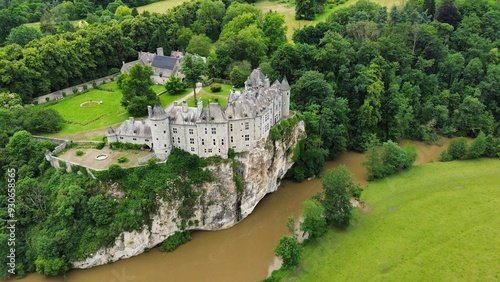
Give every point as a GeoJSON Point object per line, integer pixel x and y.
{"type": "Point", "coordinates": [8, 20]}
{"type": "Point", "coordinates": [458, 148]}
{"type": "Point", "coordinates": [184, 37]}
{"type": "Point", "coordinates": [193, 67]}
{"type": "Point", "coordinates": [39, 120]}
{"type": "Point", "coordinates": [337, 187]}
{"type": "Point", "coordinates": [288, 61]}
{"type": "Point", "coordinates": [239, 73]}
{"type": "Point", "coordinates": [447, 12]}
{"type": "Point", "coordinates": [136, 88]}
{"type": "Point", "coordinates": [477, 147]}
{"type": "Point", "coordinates": [388, 158]}
{"type": "Point", "coordinates": [174, 85]}
{"type": "Point", "coordinates": [218, 66]}
{"type": "Point", "coordinates": [471, 117]}
{"type": "Point", "coordinates": [430, 7]}
{"type": "Point", "coordinates": [199, 45]}
{"type": "Point", "coordinates": [274, 29]}
{"type": "Point", "coordinates": [311, 88]}
{"type": "Point", "coordinates": [290, 251]}
{"type": "Point", "coordinates": [305, 9]}
{"type": "Point", "coordinates": [314, 223]}
{"type": "Point", "coordinates": [209, 18]}
{"type": "Point", "coordinates": [10, 101]}
{"type": "Point", "coordinates": [236, 9]}
{"type": "Point", "coordinates": [22, 35]}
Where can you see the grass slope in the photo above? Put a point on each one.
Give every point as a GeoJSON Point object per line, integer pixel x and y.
{"type": "Point", "coordinates": [80, 119]}
{"type": "Point", "coordinates": [435, 222]}
{"type": "Point", "coordinates": [288, 10]}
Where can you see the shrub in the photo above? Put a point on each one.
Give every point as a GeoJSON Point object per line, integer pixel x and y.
{"type": "Point", "coordinates": [47, 99]}
{"type": "Point", "coordinates": [388, 159]}
{"type": "Point", "coordinates": [445, 157]}
{"type": "Point", "coordinates": [80, 153]}
{"type": "Point", "coordinates": [85, 87]}
{"type": "Point", "coordinates": [492, 149]}
{"type": "Point", "coordinates": [175, 240]}
{"type": "Point", "coordinates": [477, 147]}
{"type": "Point", "coordinates": [458, 148]}
{"type": "Point", "coordinates": [100, 145]}
{"type": "Point", "coordinates": [314, 223]}
{"type": "Point", "coordinates": [289, 250]}
{"type": "Point", "coordinates": [122, 159]}
{"type": "Point", "coordinates": [94, 84]}
{"type": "Point", "coordinates": [75, 90]}
{"type": "Point", "coordinates": [215, 87]}
{"type": "Point", "coordinates": [174, 85]}
{"type": "Point", "coordinates": [230, 153]}
{"type": "Point", "coordinates": [115, 172]}
{"type": "Point", "coordinates": [64, 94]}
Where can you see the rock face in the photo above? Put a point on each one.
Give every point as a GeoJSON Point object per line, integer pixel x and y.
{"type": "Point", "coordinates": [221, 205]}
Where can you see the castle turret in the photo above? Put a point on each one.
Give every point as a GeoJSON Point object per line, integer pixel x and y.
{"type": "Point", "coordinates": [184, 106]}
{"type": "Point", "coordinates": [160, 131]}
{"type": "Point", "coordinates": [199, 105]}
{"type": "Point", "coordinates": [285, 92]}
{"type": "Point", "coordinates": [112, 137]}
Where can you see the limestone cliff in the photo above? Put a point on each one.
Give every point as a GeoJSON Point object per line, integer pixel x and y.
{"type": "Point", "coordinates": [221, 206]}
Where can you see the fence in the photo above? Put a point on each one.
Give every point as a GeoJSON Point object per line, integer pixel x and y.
{"type": "Point", "coordinates": [59, 95]}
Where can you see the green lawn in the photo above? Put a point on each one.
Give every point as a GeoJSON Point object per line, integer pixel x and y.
{"type": "Point", "coordinates": [79, 119]}
{"type": "Point", "coordinates": [166, 98]}
{"type": "Point", "coordinates": [435, 222]}
{"type": "Point", "coordinates": [288, 10]}
{"type": "Point", "coordinates": [160, 7]}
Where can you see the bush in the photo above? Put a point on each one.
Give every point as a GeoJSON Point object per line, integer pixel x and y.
{"type": "Point", "coordinates": [47, 99]}
{"type": "Point", "coordinates": [122, 159]}
{"type": "Point", "coordinates": [175, 240]}
{"type": "Point", "coordinates": [215, 87]}
{"type": "Point", "coordinates": [64, 94]}
{"type": "Point", "coordinates": [458, 148]}
{"type": "Point", "coordinates": [230, 153]}
{"type": "Point", "coordinates": [85, 87]}
{"type": "Point", "coordinates": [75, 90]}
{"type": "Point", "coordinates": [100, 145]}
{"type": "Point", "coordinates": [314, 223]}
{"type": "Point", "coordinates": [388, 159]}
{"type": "Point", "coordinates": [445, 157]}
{"type": "Point", "coordinates": [80, 153]}
{"type": "Point", "coordinates": [477, 147]}
{"type": "Point", "coordinates": [174, 85]}
{"type": "Point", "coordinates": [289, 250]}
{"type": "Point", "coordinates": [492, 149]}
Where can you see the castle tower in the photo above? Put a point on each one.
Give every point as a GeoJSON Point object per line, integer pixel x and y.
{"type": "Point", "coordinates": [160, 131]}
{"type": "Point", "coordinates": [285, 103]}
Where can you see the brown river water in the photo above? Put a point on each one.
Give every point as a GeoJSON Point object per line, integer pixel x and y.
{"type": "Point", "coordinates": [243, 252]}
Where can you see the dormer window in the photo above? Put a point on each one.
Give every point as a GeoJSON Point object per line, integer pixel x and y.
{"type": "Point", "coordinates": [212, 118]}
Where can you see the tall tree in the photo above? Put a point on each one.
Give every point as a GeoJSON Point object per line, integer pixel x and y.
{"type": "Point", "coordinates": [305, 9]}
{"type": "Point", "coordinates": [448, 13]}
{"type": "Point", "coordinates": [274, 30]}
{"type": "Point", "coordinates": [337, 187]}
{"type": "Point", "coordinates": [193, 67]}
{"type": "Point", "coordinates": [136, 88]}
{"type": "Point", "coordinates": [430, 7]}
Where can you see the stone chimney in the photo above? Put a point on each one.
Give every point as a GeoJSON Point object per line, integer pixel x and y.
{"type": "Point", "coordinates": [131, 119]}
{"type": "Point", "coordinates": [159, 51]}
{"type": "Point", "coordinates": [175, 104]}
{"type": "Point", "coordinates": [150, 111]}
{"type": "Point", "coordinates": [184, 106]}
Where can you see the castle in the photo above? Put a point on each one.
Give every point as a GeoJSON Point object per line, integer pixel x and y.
{"type": "Point", "coordinates": [211, 130]}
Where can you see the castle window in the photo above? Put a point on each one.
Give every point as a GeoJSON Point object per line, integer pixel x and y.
{"type": "Point", "coordinates": [219, 150]}
{"type": "Point", "coordinates": [164, 131]}
{"type": "Point", "coordinates": [214, 142]}
{"type": "Point", "coordinates": [247, 137]}
{"type": "Point", "coordinates": [202, 141]}
{"type": "Point", "coordinates": [205, 151]}
{"type": "Point", "coordinates": [146, 140]}
{"type": "Point", "coordinates": [206, 130]}
{"type": "Point", "coordinates": [155, 124]}
{"type": "Point", "coordinates": [173, 139]}
{"type": "Point", "coordinates": [174, 130]}
{"type": "Point", "coordinates": [179, 140]}
{"type": "Point", "coordinates": [214, 130]}
{"type": "Point", "coordinates": [222, 142]}
{"type": "Point", "coordinates": [134, 139]}
{"type": "Point", "coordinates": [191, 141]}
{"type": "Point", "coordinates": [232, 139]}
{"type": "Point", "coordinates": [209, 151]}
{"type": "Point", "coordinates": [157, 139]}
{"type": "Point", "coordinates": [192, 149]}
{"type": "Point", "coordinates": [165, 145]}
{"type": "Point", "coordinates": [191, 131]}
{"type": "Point", "coordinates": [121, 137]}
{"type": "Point", "coordinates": [247, 125]}
{"type": "Point", "coordinates": [231, 127]}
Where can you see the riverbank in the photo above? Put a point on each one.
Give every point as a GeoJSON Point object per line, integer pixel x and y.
{"type": "Point", "coordinates": [433, 222]}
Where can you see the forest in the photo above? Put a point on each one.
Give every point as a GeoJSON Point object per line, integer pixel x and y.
{"type": "Point", "coordinates": [366, 75]}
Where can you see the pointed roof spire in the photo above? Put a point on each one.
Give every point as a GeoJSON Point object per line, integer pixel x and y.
{"type": "Point", "coordinates": [111, 130]}
{"type": "Point", "coordinates": [284, 84]}
{"type": "Point", "coordinates": [158, 112]}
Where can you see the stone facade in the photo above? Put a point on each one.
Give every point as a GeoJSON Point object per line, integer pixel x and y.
{"type": "Point", "coordinates": [212, 130]}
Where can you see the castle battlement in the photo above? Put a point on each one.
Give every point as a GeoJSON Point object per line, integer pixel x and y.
{"type": "Point", "coordinates": [212, 130]}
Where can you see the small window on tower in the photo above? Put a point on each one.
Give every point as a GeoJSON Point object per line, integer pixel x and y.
{"type": "Point", "coordinates": [174, 130]}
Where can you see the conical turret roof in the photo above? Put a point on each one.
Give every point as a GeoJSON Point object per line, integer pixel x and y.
{"type": "Point", "coordinates": [284, 84]}
{"type": "Point", "coordinates": [158, 112]}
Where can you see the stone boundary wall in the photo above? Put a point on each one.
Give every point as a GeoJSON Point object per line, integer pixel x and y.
{"type": "Point", "coordinates": [216, 80]}
{"type": "Point", "coordinates": [68, 165]}
{"type": "Point", "coordinates": [58, 95]}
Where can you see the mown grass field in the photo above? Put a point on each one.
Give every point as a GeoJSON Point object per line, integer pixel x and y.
{"type": "Point", "coordinates": [160, 7]}
{"type": "Point", "coordinates": [288, 10]}
{"type": "Point", "coordinates": [79, 119]}
{"type": "Point", "coordinates": [435, 222]}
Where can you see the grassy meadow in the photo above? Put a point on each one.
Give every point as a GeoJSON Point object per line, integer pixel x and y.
{"type": "Point", "coordinates": [435, 222]}
{"type": "Point", "coordinates": [80, 119]}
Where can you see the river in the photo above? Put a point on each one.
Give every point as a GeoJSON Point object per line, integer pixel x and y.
{"type": "Point", "coordinates": [243, 252]}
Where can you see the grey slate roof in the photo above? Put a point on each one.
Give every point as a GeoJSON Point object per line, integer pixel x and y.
{"type": "Point", "coordinates": [284, 84]}
{"type": "Point", "coordinates": [126, 67]}
{"type": "Point", "coordinates": [158, 113]}
{"type": "Point", "coordinates": [164, 62]}
{"type": "Point", "coordinates": [177, 116]}
{"type": "Point", "coordinates": [134, 128]}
